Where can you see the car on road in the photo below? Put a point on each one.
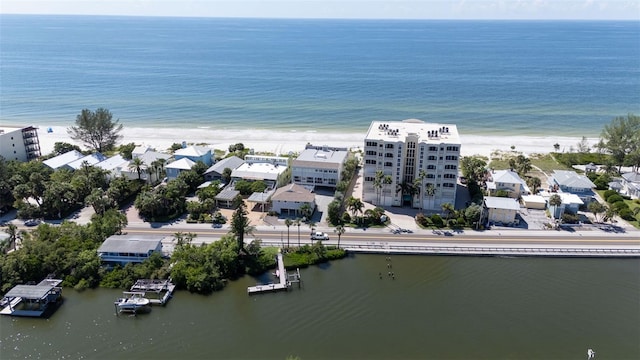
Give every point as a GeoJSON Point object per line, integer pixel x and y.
{"type": "Point", "coordinates": [319, 236]}
{"type": "Point", "coordinates": [32, 222]}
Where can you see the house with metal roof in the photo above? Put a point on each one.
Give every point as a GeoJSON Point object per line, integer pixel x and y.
{"type": "Point", "coordinates": [214, 172]}
{"type": "Point", "coordinates": [61, 160]}
{"type": "Point", "coordinates": [509, 181]}
{"type": "Point", "coordinates": [174, 168]}
{"type": "Point", "coordinates": [195, 154]}
{"type": "Point", "coordinates": [90, 160]}
{"type": "Point", "coordinates": [271, 174]}
{"type": "Point", "coordinates": [631, 184]}
{"type": "Point", "coordinates": [290, 198]}
{"type": "Point", "coordinates": [113, 166]}
{"type": "Point", "coordinates": [571, 182]}
{"type": "Point", "coordinates": [319, 166]}
{"type": "Point", "coordinates": [122, 249]}
{"type": "Point", "coordinates": [500, 210]}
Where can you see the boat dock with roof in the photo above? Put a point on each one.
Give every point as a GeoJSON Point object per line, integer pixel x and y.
{"type": "Point", "coordinates": [32, 300]}
{"type": "Point", "coordinates": [162, 289]}
{"type": "Point", "coordinates": [285, 279]}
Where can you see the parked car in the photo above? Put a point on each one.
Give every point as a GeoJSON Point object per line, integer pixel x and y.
{"type": "Point", "coordinates": [319, 236]}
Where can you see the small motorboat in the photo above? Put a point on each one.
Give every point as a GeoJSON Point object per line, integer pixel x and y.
{"type": "Point", "coordinates": [133, 302]}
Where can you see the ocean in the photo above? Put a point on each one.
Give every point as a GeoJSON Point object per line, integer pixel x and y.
{"type": "Point", "coordinates": [531, 78]}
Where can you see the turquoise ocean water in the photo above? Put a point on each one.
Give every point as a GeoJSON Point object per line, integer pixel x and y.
{"type": "Point", "coordinates": [488, 77]}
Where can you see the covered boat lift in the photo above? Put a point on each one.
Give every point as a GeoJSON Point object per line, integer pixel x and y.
{"type": "Point", "coordinates": [31, 300]}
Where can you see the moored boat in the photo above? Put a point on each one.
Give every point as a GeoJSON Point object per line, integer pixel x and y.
{"type": "Point", "coordinates": [133, 302]}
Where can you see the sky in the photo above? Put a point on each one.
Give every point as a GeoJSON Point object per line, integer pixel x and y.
{"type": "Point", "coordinates": [353, 9]}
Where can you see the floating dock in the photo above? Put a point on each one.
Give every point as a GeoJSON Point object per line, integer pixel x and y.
{"type": "Point", "coordinates": [163, 290]}
{"type": "Point", "coordinates": [285, 280]}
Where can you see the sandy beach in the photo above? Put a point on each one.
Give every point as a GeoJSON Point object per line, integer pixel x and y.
{"type": "Point", "coordinates": [282, 143]}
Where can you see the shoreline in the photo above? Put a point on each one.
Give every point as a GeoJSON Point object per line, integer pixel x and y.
{"type": "Point", "coordinates": [282, 142]}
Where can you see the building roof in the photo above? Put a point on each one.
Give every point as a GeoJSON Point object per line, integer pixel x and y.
{"type": "Point", "coordinates": [136, 244]}
{"type": "Point", "coordinates": [193, 151]}
{"type": "Point", "coordinates": [615, 185]}
{"type": "Point", "coordinates": [493, 202]}
{"type": "Point", "coordinates": [568, 198]}
{"type": "Point", "coordinates": [139, 150]}
{"type": "Point", "coordinates": [231, 162]}
{"type": "Point", "coordinates": [392, 131]}
{"type": "Point", "coordinates": [63, 159]}
{"type": "Point", "coordinates": [182, 164]}
{"type": "Point", "coordinates": [533, 199]}
{"type": "Point", "coordinates": [261, 197]}
{"type": "Point", "coordinates": [293, 193]}
{"type": "Point", "coordinates": [113, 162]}
{"type": "Point", "coordinates": [572, 179]}
{"type": "Point", "coordinates": [507, 177]}
{"type": "Point", "coordinates": [30, 291]}
{"type": "Point", "coordinates": [258, 171]}
{"type": "Point", "coordinates": [150, 156]}
{"type": "Point", "coordinates": [91, 159]}
{"type": "Point", "coordinates": [227, 194]}
{"type": "Point", "coordinates": [319, 157]}
{"type": "Point", "coordinates": [631, 177]}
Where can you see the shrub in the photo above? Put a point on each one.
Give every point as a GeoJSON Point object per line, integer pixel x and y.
{"type": "Point", "coordinates": [570, 218]}
{"type": "Point", "coordinates": [436, 220]}
{"type": "Point", "coordinates": [608, 193]}
{"type": "Point", "coordinates": [619, 206]}
{"type": "Point", "coordinates": [626, 214]}
{"type": "Point", "coordinates": [614, 199]}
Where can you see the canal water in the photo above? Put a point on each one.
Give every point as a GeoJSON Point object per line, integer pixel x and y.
{"type": "Point", "coordinates": [433, 307]}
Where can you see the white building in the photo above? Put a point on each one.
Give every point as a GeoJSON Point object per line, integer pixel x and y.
{"type": "Point", "coordinates": [509, 181]}
{"type": "Point", "coordinates": [122, 249]}
{"type": "Point", "coordinates": [319, 166]}
{"type": "Point", "coordinates": [405, 150]}
{"type": "Point", "coordinates": [290, 198]}
{"type": "Point", "coordinates": [499, 210]}
{"type": "Point", "coordinates": [20, 144]}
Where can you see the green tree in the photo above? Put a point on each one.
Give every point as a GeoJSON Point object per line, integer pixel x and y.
{"type": "Point", "coordinates": [449, 210]}
{"type": "Point", "coordinates": [334, 210]}
{"type": "Point", "coordinates": [596, 208]}
{"type": "Point", "coordinates": [126, 150]}
{"type": "Point", "coordinates": [97, 130]}
{"type": "Point", "coordinates": [534, 183]}
{"type": "Point", "coordinates": [226, 175]}
{"type": "Point", "coordinates": [386, 181]}
{"type": "Point", "coordinates": [100, 201]}
{"type": "Point", "coordinates": [240, 225]}
{"type": "Point", "coordinates": [473, 168]}
{"type": "Point", "coordinates": [60, 148]}
{"type": "Point", "coordinates": [377, 184]}
{"type": "Point", "coordinates": [137, 165]}
{"type": "Point", "coordinates": [472, 213]}
{"type": "Point", "coordinates": [621, 139]}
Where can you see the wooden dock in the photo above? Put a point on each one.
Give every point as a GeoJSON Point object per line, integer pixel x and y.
{"type": "Point", "coordinates": [284, 283]}
{"type": "Point", "coordinates": [163, 290]}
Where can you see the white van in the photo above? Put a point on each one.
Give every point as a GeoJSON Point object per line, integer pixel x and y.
{"type": "Point", "coordinates": [319, 236]}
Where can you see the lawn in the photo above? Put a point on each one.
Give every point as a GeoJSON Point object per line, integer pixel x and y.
{"type": "Point", "coordinates": [633, 204]}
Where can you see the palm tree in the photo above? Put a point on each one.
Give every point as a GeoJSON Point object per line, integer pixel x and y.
{"type": "Point", "coordinates": [377, 184]}
{"type": "Point", "coordinates": [297, 222]}
{"type": "Point", "coordinates": [386, 181]}
{"type": "Point", "coordinates": [421, 176]}
{"type": "Point", "coordinates": [305, 211]}
{"type": "Point", "coordinates": [137, 164]}
{"type": "Point", "coordinates": [448, 209]}
{"type": "Point", "coordinates": [339, 230]}
{"type": "Point", "coordinates": [430, 191]}
{"type": "Point", "coordinates": [355, 205]}
{"type": "Point", "coordinates": [555, 200]}
{"type": "Point", "coordinates": [534, 183]}
{"type": "Point", "coordinates": [14, 235]}
{"type": "Point", "coordinates": [288, 223]}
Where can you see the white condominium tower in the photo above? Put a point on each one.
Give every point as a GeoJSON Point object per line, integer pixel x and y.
{"type": "Point", "coordinates": [411, 163]}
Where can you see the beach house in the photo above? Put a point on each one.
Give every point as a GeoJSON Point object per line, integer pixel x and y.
{"type": "Point", "coordinates": [270, 169]}
{"type": "Point", "coordinates": [500, 210]}
{"type": "Point", "coordinates": [214, 172]}
{"type": "Point", "coordinates": [195, 154]}
{"type": "Point", "coordinates": [319, 166]}
{"type": "Point", "coordinates": [290, 198]}
{"type": "Point", "coordinates": [418, 160]}
{"type": "Point", "coordinates": [571, 182]}
{"type": "Point", "coordinates": [508, 181]}
{"type": "Point", "coordinates": [631, 184]}
{"type": "Point", "coordinates": [62, 160]}
{"type": "Point", "coordinates": [123, 249]}
{"type": "Point", "coordinates": [174, 168]}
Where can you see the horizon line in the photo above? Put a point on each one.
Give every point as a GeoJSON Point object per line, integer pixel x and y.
{"type": "Point", "coordinates": [323, 18]}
